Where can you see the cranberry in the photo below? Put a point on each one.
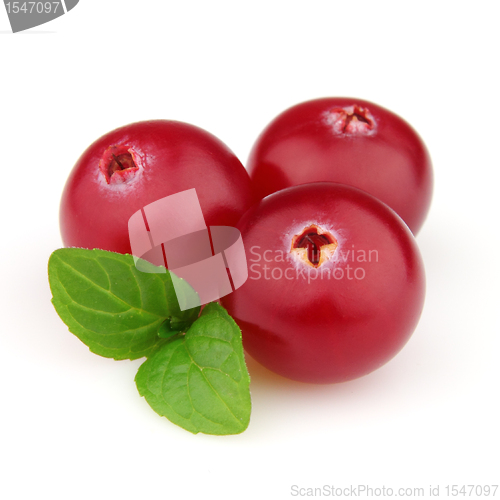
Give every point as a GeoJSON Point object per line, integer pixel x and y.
{"type": "Point", "coordinates": [349, 141]}
{"type": "Point", "coordinates": [336, 283]}
{"type": "Point", "coordinates": [140, 163]}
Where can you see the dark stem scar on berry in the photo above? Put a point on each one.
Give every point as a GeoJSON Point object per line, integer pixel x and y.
{"type": "Point", "coordinates": [118, 164]}
{"type": "Point", "coordinates": [313, 246]}
{"type": "Point", "coordinates": [351, 120]}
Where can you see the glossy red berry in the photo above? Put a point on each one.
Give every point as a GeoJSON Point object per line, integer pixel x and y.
{"type": "Point", "coordinates": [350, 141]}
{"type": "Point", "coordinates": [137, 164]}
{"type": "Point", "coordinates": [336, 283]}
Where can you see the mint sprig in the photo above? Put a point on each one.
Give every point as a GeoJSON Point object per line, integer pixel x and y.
{"type": "Point", "coordinates": [199, 381]}
{"type": "Point", "coordinates": [195, 374]}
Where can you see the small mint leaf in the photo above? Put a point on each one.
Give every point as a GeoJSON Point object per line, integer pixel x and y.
{"type": "Point", "coordinates": [111, 306]}
{"type": "Point", "coordinates": [200, 381]}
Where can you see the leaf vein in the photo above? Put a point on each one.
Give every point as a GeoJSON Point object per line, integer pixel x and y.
{"type": "Point", "coordinates": [110, 292]}
{"type": "Point", "coordinates": [211, 386]}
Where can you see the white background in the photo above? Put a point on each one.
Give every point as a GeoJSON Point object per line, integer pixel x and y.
{"type": "Point", "coordinates": [72, 425]}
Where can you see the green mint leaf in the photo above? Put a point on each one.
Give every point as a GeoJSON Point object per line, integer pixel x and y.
{"type": "Point", "coordinates": [111, 306]}
{"type": "Point", "coordinates": [199, 381]}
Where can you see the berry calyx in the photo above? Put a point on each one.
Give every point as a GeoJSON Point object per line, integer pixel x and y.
{"type": "Point", "coordinates": [313, 246]}
{"type": "Point", "coordinates": [351, 120]}
{"type": "Point", "coordinates": [118, 165]}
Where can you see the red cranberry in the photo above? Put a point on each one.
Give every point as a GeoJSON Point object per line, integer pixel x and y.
{"type": "Point", "coordinates": [336, 283]}
{"type": "Point", "coordinates": [140, 163]}
{"type": "Point", "coordinates": [350, 141]}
